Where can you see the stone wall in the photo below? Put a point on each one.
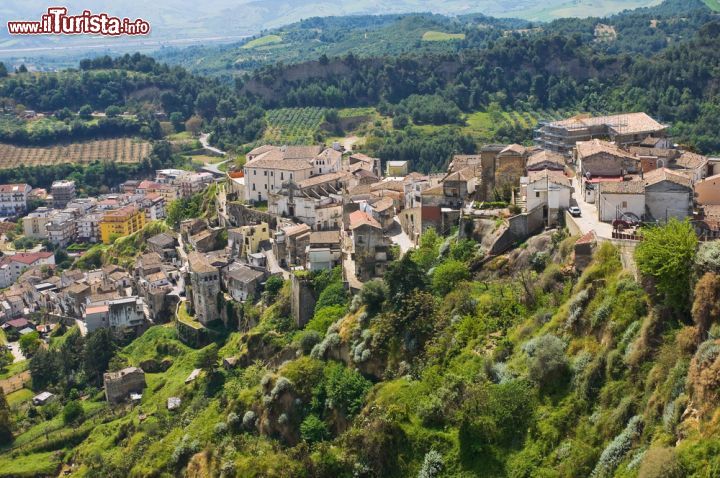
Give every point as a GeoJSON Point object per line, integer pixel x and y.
{"type": "Point", "coordinates": [241, 215]}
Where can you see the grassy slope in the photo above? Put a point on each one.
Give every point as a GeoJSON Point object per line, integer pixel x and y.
{"type": "Point", "coordinates": [262, 41]}
{"type": "Point", "coordinates": [714, 4]}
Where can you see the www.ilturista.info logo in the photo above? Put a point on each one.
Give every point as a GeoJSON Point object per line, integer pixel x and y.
{"type": "Point", "coordinates": [58, 22]}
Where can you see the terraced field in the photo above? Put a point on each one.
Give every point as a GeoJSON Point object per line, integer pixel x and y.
{"type": "Point", "coordinates": [120, 150]}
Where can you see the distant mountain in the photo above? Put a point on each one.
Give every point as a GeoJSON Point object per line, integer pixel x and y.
{"type": "Point", "coordinates": [187, 21]}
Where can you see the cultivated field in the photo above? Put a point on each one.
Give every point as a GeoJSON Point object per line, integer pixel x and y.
{"type": "Point", "coordinates": [119, 150]}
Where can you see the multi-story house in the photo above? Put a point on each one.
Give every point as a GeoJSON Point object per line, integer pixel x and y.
{"type": "Point", "coordinates": [13, 199]}
{"type": "Point", "coordinates": [34, 224]}
{"type": "Point", "coordinates": [62, 193]}
{"type": "Point", "coordinates": [62, 229]}
{"type": "Point", "coordinates": [194, 183]}
{"type": "Point", "coordinates": [88, 227]}
{"type": "Point", "coordinates": [12, 266]}
{"type": "Point", "coordinates": [121, 222]}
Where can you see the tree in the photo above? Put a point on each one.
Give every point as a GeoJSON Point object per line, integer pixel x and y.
{"type": "Point", "coordinates": [404, 276]}
{"type": "Point", "coordinates": [273, 286]}
{"type": "Point", "coordinates": [706, 306]}
{"type": "Point", "coordinates": [448, 275]}
{"type": "Point", "coordinates": [3, 70]}
{"type": "Point", "coordinates": [99, 349]}
{"type": "Point", "coordinates": [29, 343]}
{"type": "Point", "coordinates": [206, 104]}
{"type": "Point", "coordinates": [72, 412]}
{"type": "Point", "coordinates": [177, 120]}
{"type": "Point", "coordinates": [666, 254]}
{"type": "Point", "coordinates": [373, 295]}
{"type": "Point", "coordinates": [6, 358]}
{"type": "Point", "coordinates": [85, 112]}
{"type": "Point", "coordinates": [193, 125]}
{"type": "Point", "coordinates": [22, 69]}
{"type": "Point", "coordinates": [113, 111]}
{"type": "Point", "coordinates": [44, 369]}
{"type": "Point", "coordinates": [6, 436]}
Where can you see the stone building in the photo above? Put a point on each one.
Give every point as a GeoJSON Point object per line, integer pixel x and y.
{"type": "Point", "coordinates": [205, 284]}
{"type": "Point", "coordinates": [119, 385]}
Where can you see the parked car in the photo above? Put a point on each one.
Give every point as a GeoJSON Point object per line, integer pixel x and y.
{"type": "Point", "coordinates": [575, 211]}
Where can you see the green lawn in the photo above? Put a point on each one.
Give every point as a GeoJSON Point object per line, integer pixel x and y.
{"type": "Point", "coordinates": [19, 396]}
{"type": "Point", "coordinates": [442, 36]}
{"type": "Point", "coordinates": [186, 318]}
{"type": "Point", "coordinates": [36, 464]}
{"type": "Point", "coordinates": [204, 158]}
{"type": "Point", "coordinates": [263, 41]}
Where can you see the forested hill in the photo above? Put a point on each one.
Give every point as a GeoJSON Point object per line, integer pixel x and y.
{"type": "Point", "coordinates": [644, 30]}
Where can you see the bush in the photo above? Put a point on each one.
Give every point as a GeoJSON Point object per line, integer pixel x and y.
{"type": "Point", "coordinates": [373, 295]}
{"type": "Point", "coordinates": [547, 364]}
{"type": "Point", "coordinates": [617, 449]}
{"type": "Point", "coordinates": [345, 389]}
{"type": "Point", "coordinates": [432, 465]}
{"type": "Point", "coordinates": [660, 462]}
{"type": "Point", "coordinates": [308, 340]}
{"type": "Point", "coordinates": [448, 275]}
{"type": "Point", "coordinates": [72, 412]}
{"type": "Point", "coordinates": [313, 429]}
{"type": "Point", "coordinates": [324, 318]}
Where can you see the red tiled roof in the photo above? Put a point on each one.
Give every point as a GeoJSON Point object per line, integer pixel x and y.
{"type": "Point", "coordinates": [360, 218]}
{"type": "Point", "coordinates": [29, 257]}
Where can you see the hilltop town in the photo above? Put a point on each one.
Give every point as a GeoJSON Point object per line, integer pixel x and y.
{"type": "Point", "coordinates": [296, 209]}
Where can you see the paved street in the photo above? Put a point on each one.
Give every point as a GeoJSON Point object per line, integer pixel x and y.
{"type": "Point", "coordinates": [17, 353]}
{"type": "Point", "coordinates": [589, 219]}
{"type": "Point", "coordinates": [398, 236]}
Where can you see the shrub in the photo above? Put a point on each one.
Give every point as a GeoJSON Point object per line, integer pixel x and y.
{"type": "Point", "coordinates": [617, 449]}
{"type": "Point", "coordinates": [345, 389]}
{"type": "Point", "coordinates": [313, 429]}
{"type": "Point", "coordinates": [308, 340]}
{"type": "Point", "coordinates": [334, 294]}
{"type": "Point", "coordinates": [373, 295]}
{"type": "Point", "coordinates": [447, 275]}
{"type": "Point", "coordinates": [576, 307]}
{"type": "Point", "coordinates": [432, 465]}
{"type": "Point", "coordinates": [660, 462]}
{"type": "Point", "coordinates": [72, 412]}
{"type": "Point", "coordinates": [324, 317]}
{"type": "Point", "coordinates": [667, 254]}
{"type": "Point", "coordinates": [547, 364]}
{"type": "Point", "coordinates": [249, 419]}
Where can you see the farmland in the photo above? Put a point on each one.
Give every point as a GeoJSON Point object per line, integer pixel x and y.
{"type": "Point", "coordinates": [119, 150]}
{"type": "Point", "coordinates": [293, 125]}
{"type": "Point", "coordinates": [442, 36]}
{"type": "Point", "coordinates": [262, 41]}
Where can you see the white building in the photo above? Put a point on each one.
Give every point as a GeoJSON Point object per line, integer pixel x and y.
{"type": "Point", "coordinates": [270, 167]}
{"type": "Point", "coordinates": [13, 199]}
{"type": "Point", "coordinates": [12, 266]}
{"type": "Point", "coordinates": [61, 229]}
{"type": "Point", "coordinates": [547, 189]}
{"type": "Point", "coordinates": [88, 227]}
{"type": "Point", "coordinates": [620, 197]}
{"type": "Point", "coordinates": [194, 183]}
{"type": "Point", "coordinates": [117, 314]}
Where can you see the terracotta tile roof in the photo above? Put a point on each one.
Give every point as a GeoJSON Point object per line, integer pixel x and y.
{"type": "Point", "coordinates": [690, 160]}
{"type": "Point", "coordinates": [434, 191]}
{"type": "Point", "coordinates": [12, 188]}
{"type": "Point", "coordinates": [514, 148]}
{"type": "Point", "coordinates": [360, 218]}
{"type": "Point", "coordinates": [623, 187]}
{"type": "Point", "coordinates": [29, 258]}
{"type": "Point", "coordinates": [663, 174]}
{"type": "Point", "coordinates": [544, 156]}
{"type": "Point", "coordinates": [588, 238]}
{"type": "Point", "coordinates": [555, 177]}
{"type": "Point", "coordinates": [266, 161]}
{"type": "Point", "coordinates": [629, 123]}
{"type": "Point", "coordinates": [383, 204]}
{"type": "Point", "coordinates": [595, 146]}
{"type": "Point", "coordinates": [297, 229]}
{"type": "Point", "coordinates": [199, 263]}
{"type": "Point", "coordinates": [325, 237]}
{"type": "Point", "coordinates": [321, 179]}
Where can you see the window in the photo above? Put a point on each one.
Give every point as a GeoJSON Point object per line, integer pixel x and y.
{"type": "Point", "coordinates": [537, 194]}
{"type": "Point", "coordinates": [255, 172]}
{"type": "Point", "coordinates": [282, 176]}
{"type": "Point", "coordinates": [264, 173]}
{"type": "Point", "coordinates": [290, 175]}
{"type": "Point", "coordinates": [253, 187]}
{"type": "Point", "coordinates": [624, 204]}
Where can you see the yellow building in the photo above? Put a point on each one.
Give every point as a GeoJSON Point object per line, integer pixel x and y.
{"type": "Point", "coordinates": [121, 222]}
{"type": "Point", "coordinates": [246, 240]}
